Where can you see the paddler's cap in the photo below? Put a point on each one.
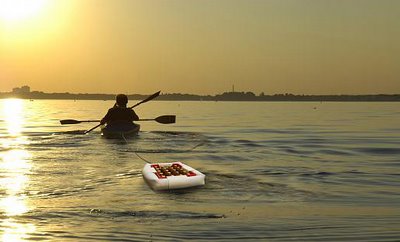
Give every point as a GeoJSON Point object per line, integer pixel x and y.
{"type": "Point", "coordinates": [121, 99]}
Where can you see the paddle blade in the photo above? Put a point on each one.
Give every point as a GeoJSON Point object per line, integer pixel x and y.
{"type": "Point", "coordinates": [152, 97]}
{"type": "Point", "coordinates": [69, 121]}
{"type": "Point", "coordinates": [166, 119]}
{"type": "Point", "coordinates": [147, 99]}
{"type": "Point", "coordinates": [73, 121]}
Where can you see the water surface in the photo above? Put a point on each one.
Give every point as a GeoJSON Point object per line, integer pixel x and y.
{"type": "Point", "coordinates": [274, 171]}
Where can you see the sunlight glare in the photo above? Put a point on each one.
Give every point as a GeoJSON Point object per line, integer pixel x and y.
{"type": "Point", "coordinates": [14, 205]}
{"type": "Point", "coordinates": [14, 232]}
{"type": "Point", "coordinates": [15, 166]}
{"type": "Point", "coordinates": [15, 10]}
{"type": "Point", "coordinates": [16, 161]}
{"type": "Point", "coordinates": [13, 113]}
{"type": "Point", "coordinates": [14, 184]}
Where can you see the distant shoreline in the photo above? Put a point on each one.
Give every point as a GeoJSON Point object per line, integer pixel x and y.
{"type": "Point", "coordinates": [227, 96]}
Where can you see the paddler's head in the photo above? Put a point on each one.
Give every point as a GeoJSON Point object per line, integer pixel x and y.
{"type": "Point", "coordinates": [121, 100]}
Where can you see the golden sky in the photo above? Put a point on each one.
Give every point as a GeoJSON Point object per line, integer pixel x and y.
{"type": "Point", "coordinates": [201, 46]}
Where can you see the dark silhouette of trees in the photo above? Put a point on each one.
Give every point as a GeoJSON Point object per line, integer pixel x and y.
{"type": "Point", "coordinates": [25, 93]}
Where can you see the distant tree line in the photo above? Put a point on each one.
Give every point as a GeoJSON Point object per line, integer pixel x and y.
{"type": "Point", "coordinates": [226, 96]}
{"type": "Point", "coordinates": [250, 96]}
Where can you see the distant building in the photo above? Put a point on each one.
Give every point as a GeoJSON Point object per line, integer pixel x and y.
{"type": "Point", "coordinates": [23, 89]}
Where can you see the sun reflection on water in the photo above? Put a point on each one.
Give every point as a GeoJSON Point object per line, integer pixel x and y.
{"type": "Point", "coordinates": [15, 167]}
{"type": "Point", "coordinates": [14, 232]}
{"type": "Point", "coordinates": [13, 114]}
{"type": "Point", "coordinates": [14, 205]}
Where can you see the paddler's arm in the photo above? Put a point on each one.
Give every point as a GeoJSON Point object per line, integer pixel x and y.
{"type": "Point", "coordinates": [134, 117]}
{"type": "Point", "coordinates": [106, 118]}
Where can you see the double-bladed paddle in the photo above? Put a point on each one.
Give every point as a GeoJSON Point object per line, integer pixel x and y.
{"type": "Point", "coordinates": [137, 104]}
{"type": "Point", "coordinates": [165, 119]}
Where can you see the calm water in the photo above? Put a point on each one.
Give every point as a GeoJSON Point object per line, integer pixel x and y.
{"type": "Point", "coordinates": [275, 171]}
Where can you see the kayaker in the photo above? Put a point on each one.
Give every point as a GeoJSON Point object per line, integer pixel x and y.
{"type": "Point", "coordinates": [120, 113]}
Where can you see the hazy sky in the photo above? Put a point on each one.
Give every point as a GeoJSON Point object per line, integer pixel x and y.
{"type": "Point", "coordinates": [201, 46]}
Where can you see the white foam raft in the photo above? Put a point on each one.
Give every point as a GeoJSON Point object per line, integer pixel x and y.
{"type": "Point", "coordinates": [170, 176]}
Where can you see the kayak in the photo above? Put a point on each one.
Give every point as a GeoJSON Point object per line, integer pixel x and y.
{"type": "Point", "coordinates": [119, 131]}
{"type": "Point", "coordinates": [170, 176]}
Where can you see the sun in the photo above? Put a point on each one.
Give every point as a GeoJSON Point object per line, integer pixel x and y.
{"type": "Point", "coordinates": [18, 10]}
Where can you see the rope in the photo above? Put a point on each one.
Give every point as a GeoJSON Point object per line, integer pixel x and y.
{"type": "Point", "coordinates": [194, 147]}
{"type": "Point", "coordinates": [149, 162]}
{"type": "Point", "coordinates": [123, 136]}
{"type": "Point", "coordinates": [143, 159]}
